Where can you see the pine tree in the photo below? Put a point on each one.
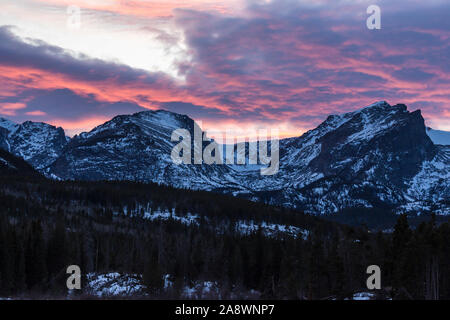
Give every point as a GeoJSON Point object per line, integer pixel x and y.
{"type": "Point", "coordinates": [36, 268]}
{"type": "Point", "coordinates": [6, 262]}
{"type": "Point", "coordinates": [20, 276]}
{"type": "Point", "coordinates": [400, 242]}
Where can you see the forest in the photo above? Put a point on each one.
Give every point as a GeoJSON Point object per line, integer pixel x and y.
{"type": "Point", "coordinates": [46, 225]}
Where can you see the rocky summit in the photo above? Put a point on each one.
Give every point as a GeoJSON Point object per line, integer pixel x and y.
{"type": "Point", "coordinates": [380, 156]}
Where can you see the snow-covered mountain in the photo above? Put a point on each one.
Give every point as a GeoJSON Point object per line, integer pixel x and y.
{"type": "Point", "coordinates": [136, 147]}
{"type": "Point", "coordinates": [10, 165]}
{"type": "Point", "coordinates": [379, 156]}
{"type": "Point", "coordinates": [439, 136]}
{"type": "Point", "coordinates": [38, 143]}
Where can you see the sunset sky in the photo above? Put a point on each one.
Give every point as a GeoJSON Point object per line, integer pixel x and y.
{"type": "Point", "coordinates": [283, 64]}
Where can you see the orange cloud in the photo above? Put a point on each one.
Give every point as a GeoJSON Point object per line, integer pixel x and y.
{"type": "Point", "coordinates": [9, 109]}
{"type": "Point", "coordinates": [36, 113]}
{"type": "Point", "coordinates": [146, 8]}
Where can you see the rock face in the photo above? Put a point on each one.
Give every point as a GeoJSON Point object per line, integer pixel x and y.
{"type": "Point", "coordinates": [365, 158]}
{"type": "Point", "coordinates": [135, 147]}
{"type": "Point", "coordinates": [379, 156]}
{"type": "Point", "coordinates": [10, 165]}
{"type": "Point", "coordinates": [38, 143]}
{"type": "Point", "coordinates": [382, 141]}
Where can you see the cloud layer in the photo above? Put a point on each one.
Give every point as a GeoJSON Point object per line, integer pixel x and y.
{"type": "Point", "coordinates": [277, 63]}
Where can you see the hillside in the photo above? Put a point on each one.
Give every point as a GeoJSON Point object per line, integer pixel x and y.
{"type": "Point", "coordinates": [380, 156]}
{"type": "Point", "coordinates": [146, 241]}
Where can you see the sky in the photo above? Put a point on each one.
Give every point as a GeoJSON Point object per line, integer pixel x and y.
{"type": "Point", "coordinates": [231, 64]}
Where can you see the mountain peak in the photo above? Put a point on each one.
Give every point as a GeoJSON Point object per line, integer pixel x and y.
{"type": "Point", "coordinates": [160, 112]}
{"type": "Point", "coordinates": [377, 155]}
{"type": "Point", "coordinates": [439, 136]}
{"type": "Point", "coordinates": [378, 104]}
{"type": "Point", "coordinates": [384, 108]}
{"type": "Point", "coordinates": [365, 122]}
{"type": "Point", "coordinates": [41, 126]}
{"type": "Point", "coordinates": [7, 124]}
{"type": "Point", "coordinates": [169, 118]}
{"type": "Point", "coordinates": [36, 142]}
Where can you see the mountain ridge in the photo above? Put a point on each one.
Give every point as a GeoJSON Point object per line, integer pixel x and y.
{"type": "Point", "coordinates": [377, 156]}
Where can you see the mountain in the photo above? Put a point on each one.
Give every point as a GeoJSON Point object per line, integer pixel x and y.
{"type": "Point", "coordinates": [10, 165]}
{"type": "Point", "coordinates": [380, 156]}
{"type": "Point", "coordinates": [136, 147]}
{"type": "Point", "coordinates": [38, 143]}
{"type": "Point", "coordinates": [439, 136]}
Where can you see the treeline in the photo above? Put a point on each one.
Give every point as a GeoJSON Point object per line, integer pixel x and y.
{"type": "Point", "coordinates": [46, 226]}
{"type": "Point", "coordinates": [132, 197]}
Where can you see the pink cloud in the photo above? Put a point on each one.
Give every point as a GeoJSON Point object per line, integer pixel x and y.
{"type": "Point", "coordinates": [280, 63]}
{"type": "Point", "coordinates": [36, 113]}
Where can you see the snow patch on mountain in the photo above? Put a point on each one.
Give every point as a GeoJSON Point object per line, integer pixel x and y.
{"type": "Point", "coordinates": [430, 188]}
{"type": "Point", "coordinates": [37, 143]}
{"type": "Point", "coordinates": [439, 136]}
{"type": "Point", "coordinates": [8, 125]}
{"type": "Point", "coordinates": [378, 155]}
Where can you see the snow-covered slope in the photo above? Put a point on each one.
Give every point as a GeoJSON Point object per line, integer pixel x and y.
{"type": "Point", "coordinates": [378, 156]}
{"type": "Point", "coordinates": [439, 136]}
{"type": "Point", "coordinates": [430, 187]}
{"type": "Point", "coordinates": [12, 165]}
{"type": "Point", "coordinates": [8, 125]}
{"type": "Point", "coordinates": [38, 143]}
{"type": "Point", "coordinates": [373, 157]}
{"type": "Point", "coordinates": [136, 147]}
{"type": "Point", "coordinates": [6, 128]}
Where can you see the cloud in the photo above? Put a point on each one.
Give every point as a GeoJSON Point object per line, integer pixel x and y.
{"type": "Point", "coordinates": [36, 113]}
{"type": "Point", "coordinates": [37, 54]}
{"type": "Point", "coordinates": [282, 61]}
{"type": "Point", "coordinates": [195, 111]}
{"type": "Point", "coordinates": [11, 108]}
{"type": "Point", "coordinates": [413, 74]}
{"type": "Point", "coordinates": [64, 104]}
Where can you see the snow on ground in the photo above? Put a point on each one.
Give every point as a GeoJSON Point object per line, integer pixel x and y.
{"type": "Point", "coordinates": [363, 296]}
{"type": "Point", "coordinates": [114, 284]}
{"type": "Point", "coordinates": [202, 290]}
{"type": "Point", "coordinates": [270, 229]}
{"type": "Point", "coordinates": [245, 227]}
{"type": "Point", "coordinates": [166, 215]}
{"type": "Point", "coordinates": [212, 290]}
